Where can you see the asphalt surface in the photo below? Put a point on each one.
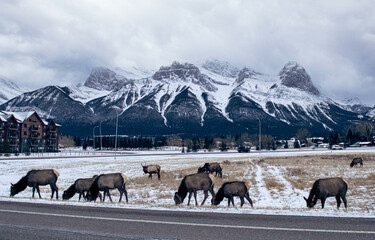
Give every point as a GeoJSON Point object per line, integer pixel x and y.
{"type": "Point", "coordinates": [47, 221]}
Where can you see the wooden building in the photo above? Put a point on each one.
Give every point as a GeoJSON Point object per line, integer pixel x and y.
{"type": "Point", "coordinates": [27, 132]}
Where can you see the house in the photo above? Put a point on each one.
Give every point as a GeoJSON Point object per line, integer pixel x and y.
{"type": "Point", "coordinates": [27, 132]}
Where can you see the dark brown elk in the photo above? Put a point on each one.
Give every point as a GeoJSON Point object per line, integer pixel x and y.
{"type": "Point", "coordinates": [193, 183]}
{"type": "Point", "coordinates": [36, 178]}
{"type": "Point", "coordinates": [104, 183]}
{"type": "Point", "coordinates": [327, 187]}
{"type": "Point", "coordinates": [232, 189]}
{"type": "Point", "coordinates": [80, 186]}
{"type": "Point", "coordinates": [211, 168]}
{"type": "Point", "coordinates": [151, 169]}
{"type": "Point", "coordinates": [357, 161]}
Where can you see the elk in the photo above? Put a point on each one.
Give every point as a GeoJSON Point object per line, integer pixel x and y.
{"type": "Point", "coordinates": [193, 183]}
{"type": "Point", "coordinates": [231, 189]}
{"type": "Point", "coordinates": [151, 169]}
{"type": "Point", "coordinates": [327, 187]}
{"type": "Point", "coordinates": [357, 161]}
{"type": "Point", "coordinates": [36, 178]}
{"type": "Point", "coordinates": [80, 186]}
{"type": "Point", "coordinates": [105, 182]}
{"type": "Point", "coordinates": [211, 168]}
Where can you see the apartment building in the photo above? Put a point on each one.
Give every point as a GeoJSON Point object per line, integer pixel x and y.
{"type": "Point", "coordinates": [27, 132]}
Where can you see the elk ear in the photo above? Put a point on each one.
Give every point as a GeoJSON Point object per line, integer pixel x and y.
{"type": "Point", "coordinates": [12, 184]}
{"type": "Point", "coordinates": [305, 199]}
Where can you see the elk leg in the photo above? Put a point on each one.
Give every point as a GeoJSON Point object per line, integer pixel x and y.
{"type": "Point", "coordinates": [242, 200]}
{"type": "Point", "coordinates": [195, 196]}
{"type": "Point", "coordinates": [150, 175]}
{"type": "Point", "coordinates": [205, 196]}
{"type": "Point", "coordinates": [33, 191]}
{"type": "Point", "coordinates": [213, 195]}
{"type": "Point", "coordinates": [338, 201]}
{"type": "Point", "coordinates": [104, 193]}
{"type": "Point", "coordinates": [232, 199]}
{"type": "Point", "coordinates": [122, 191]}
{"type": "Point", "coordinates": [126, 195]}
{"type": "Point", "coordinates": [109, 195]}
{"type": "Point", "coordinates": [38, 190]}
{"type": "Point", "coordinates": [79, 197]}
{"type": "Point", "coordinates": [228, 201]}
{"type": "Point", "coordinates": [100, 196]}
{"type": "Point", "coordinates": [323, 200]}
{"type": "Point", "coordinates": [344, 200]}
{"type": "Point", "coordinates": [54, 189]}
{"type": "Point", "coordinates": [158, 175]}
{"type": "Point", "coordinates": [249, 199]}
{"type": "Point", "coordinates": [189, 198]}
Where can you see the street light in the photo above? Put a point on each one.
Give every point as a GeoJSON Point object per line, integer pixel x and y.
{"type": "Point", "coordinates": [93, 136]}
{"type": "Point", "coordinates": [100, 132]}
{"type": "Point", "coordinates": [117, 114]}
{"type": "Point", "coordinates": [260, 135]}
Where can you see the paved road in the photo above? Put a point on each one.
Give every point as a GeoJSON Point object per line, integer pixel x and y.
{"type": "Point", "coordinates": [47, 221]}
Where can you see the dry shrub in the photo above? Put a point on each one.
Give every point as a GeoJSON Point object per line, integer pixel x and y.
{"type": "Point", "coordinates": [226, 162]}
{"type": "Point", "coordinates": [272, 183]}
{"type": "Point", "coordinates": [371, 177]}
{"type": "Point", "coordinates": [295, 172]}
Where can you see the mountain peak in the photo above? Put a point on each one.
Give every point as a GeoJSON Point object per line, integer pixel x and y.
{"type": "Point", "coordinates": [102, 78]}
{"type": "Point", "coordinates": [221, 68]}
{"type": "Point", "coordinates": [295, 76]}
{"type": "Point", "coordinates": [184, 73]}
{"type": "Point", "coordinates": [246, 73]}
{"type": "Point", "coordinates": [177, 70]}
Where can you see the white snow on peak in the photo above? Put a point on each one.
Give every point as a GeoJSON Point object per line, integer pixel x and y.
{"type": "Point", "coordinates": [8, 90]}
{"type": "Point", "coordinates": [134, 72]}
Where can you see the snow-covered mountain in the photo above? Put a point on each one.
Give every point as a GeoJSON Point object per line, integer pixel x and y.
{"type": "Point", "coordinates": [8, 90]}
{"type": "Point", "coordinates": [371, 113]}
{"type": "Point", "coordinates": [355, 105]}
{"type": "Point", "coordinates": [212, 98]}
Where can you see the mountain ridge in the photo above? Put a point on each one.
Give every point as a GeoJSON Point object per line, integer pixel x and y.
{"type": "Point", "coordinates": [212, 98]}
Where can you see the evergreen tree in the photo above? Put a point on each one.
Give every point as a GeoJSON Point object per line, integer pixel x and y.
{"type": "Point", "coordinates": [85, 144]}
{"type": "Point", "coordinates": [349, 137]}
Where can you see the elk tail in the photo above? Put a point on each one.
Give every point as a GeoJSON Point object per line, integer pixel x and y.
{"type": "Point", "coordinates": [56, 172]}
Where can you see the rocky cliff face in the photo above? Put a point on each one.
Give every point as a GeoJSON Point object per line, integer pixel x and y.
{"type": "Point", "coordinates": [183, 98]}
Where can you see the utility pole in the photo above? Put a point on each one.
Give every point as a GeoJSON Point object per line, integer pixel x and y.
{"type": "Point", "coordinates": [260, 135]}
{"type": "Point", "coordinates": [93, 136]}
{"type": "Point", "coordinates": [117, 114]}
{"type": "Point", "coordinates": [100, 132]}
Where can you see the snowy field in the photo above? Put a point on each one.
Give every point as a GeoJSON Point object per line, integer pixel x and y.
{"type": "Point", "coordinates": [278, 179]}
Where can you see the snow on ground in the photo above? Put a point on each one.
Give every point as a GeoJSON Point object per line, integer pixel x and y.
{"type": "Point", "coordinates": [278, 200]}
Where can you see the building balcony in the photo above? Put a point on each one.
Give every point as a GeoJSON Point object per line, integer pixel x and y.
{"type": "Point", "coordinates": [35, 135]}
{"type": "Point", "coordinates": [12, 127]}
{"type": "Point", "coordinates": [13, 143]}
{"type": "Point", "coordinates": [51, 136]}
{"type": "Point", "coordinates": [13, 135]}
{"type": "Point", "coordinates": [34, 143]}
{"type": "Point", "coordinates": [34, 129]}
{"type": "Point", "coordinates": [53, 130]}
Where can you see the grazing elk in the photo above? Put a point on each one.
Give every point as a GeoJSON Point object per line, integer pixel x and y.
{"type": "Point", "coordinates": [231, 189]}
{"type": "Point", "coordinates": [193, 183]}
{"type": "Point", "coordinates": [105, 182]}
{"type": "Point", "coordinates": [151, 169]}
{"type": "Point", "coordinates": [80, 186]}
{"type": "Point", "coordinates": [211, 168]}
{"type": "Point", "coordinates": [357, 161]}
{"type": "Point", "coordinates": [36, 178]}
{"type": "Point", "coordinates": [327, 187]}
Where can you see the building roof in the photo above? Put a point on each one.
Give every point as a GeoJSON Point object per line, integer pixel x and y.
{"type": "Point", "coordinates": [21, 116]}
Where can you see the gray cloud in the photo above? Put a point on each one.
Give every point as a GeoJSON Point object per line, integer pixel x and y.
{"type": "Point", "coordinates": [58, 42]}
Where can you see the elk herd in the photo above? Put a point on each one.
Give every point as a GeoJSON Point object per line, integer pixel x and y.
{"type": "Point", "coordinates": [90, 188]}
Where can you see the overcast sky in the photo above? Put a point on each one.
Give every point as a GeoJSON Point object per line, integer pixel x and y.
{"type": "Point", "coordinates": [59, 42]}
